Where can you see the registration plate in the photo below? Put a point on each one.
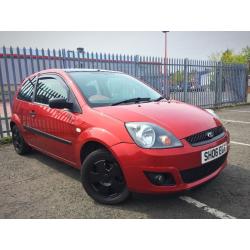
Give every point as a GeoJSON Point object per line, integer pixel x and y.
{"type": "Point", "coordinates": [213, 153]}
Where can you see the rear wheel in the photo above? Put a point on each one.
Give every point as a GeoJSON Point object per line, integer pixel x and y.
{"type": "Point", "coordinates": [103, 179]}
{"type": "Point", "coordinates": [21, 147]}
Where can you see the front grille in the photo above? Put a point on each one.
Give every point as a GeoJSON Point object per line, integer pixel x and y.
{"type": "Point", "coordinates": [203, 138]}
{"type": "Point", "coordinates": [194, 174]}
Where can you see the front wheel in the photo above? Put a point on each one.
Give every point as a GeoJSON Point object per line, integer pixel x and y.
{"type": "Point", "coordinates": [103, 179]}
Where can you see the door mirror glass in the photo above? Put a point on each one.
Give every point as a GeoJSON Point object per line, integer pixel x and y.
{"type": "Point", "coordinates": [60, 103]}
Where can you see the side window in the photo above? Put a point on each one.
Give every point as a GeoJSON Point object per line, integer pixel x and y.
{"type": "Point", "coordinates": [50, 87]}
{"type": "Point", "coordinates": [26, 91]}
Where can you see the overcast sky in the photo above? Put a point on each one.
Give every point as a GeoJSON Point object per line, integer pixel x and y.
{"type": "Point", "coordinates": [196, 45]}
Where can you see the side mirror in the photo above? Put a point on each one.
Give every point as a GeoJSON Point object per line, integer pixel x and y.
{"type": "Point", "coordinates": [60, 103]}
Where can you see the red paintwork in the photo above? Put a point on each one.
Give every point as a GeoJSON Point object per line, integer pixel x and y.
{"type": "Point", "coordinates": [106, 126]}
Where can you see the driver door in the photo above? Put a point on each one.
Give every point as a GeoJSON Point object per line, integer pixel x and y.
{"type": "Point", "coordinates": [55, 128]}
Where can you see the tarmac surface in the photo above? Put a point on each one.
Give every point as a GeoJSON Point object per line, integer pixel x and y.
{"type": "Point", "coordinates": [36, 186]}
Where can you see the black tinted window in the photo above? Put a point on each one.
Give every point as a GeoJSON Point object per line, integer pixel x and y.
{"type": "Point", "coordinates": [50, 87]}
{"type": "Point", "coordinates": [26, 91]}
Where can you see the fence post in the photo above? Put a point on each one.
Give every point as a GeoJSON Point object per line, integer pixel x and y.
{"type": "Point", "coordinates": [185, 79]}
{"type": "Point", "coordinates": [7, 77]}
{"type": "Point", "coordinates": [136, 59]}
{"type": "Point", "coordinates": [246, 89]}
{"type": "Point", "coordinates": [64, 58]}
{"type": "Point", "coordinates": [218, 86]}
{"type": "Point", "coordinates": [6, 119]}
{"type": "Point", "coordinates": [1, 128]}
{"type": "Point", "coordinates": [165, 91]}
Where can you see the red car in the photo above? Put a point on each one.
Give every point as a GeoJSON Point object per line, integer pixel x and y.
{"type": "Point", "coordinates": [122, 135]}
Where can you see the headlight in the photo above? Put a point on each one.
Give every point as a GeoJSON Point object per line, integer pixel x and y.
{"type": "Point", "coordinates": [210, 111]}
{"type": "Point", "coordinates": [148, 135]}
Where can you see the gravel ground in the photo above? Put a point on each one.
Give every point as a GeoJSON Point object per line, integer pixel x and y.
{"type": "Point", "coordinates": [36, 186]}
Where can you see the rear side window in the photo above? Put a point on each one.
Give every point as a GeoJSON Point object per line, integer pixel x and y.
{"type": "Point", "coordinates": [27, 90]}
{"type": "Point", "coordinates": [50, 87]}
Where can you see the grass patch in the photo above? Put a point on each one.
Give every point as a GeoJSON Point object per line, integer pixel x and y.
{"type": "Point", "coordinates": [5, 140]}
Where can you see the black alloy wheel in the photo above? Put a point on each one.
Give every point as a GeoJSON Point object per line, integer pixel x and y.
{"type": "Point", "coordinates": [103, 179]}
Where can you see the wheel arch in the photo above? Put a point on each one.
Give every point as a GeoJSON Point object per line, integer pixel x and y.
{"type": "Point", "coordinates": [15, 120]}
{"type": "Point", "coordinates": [92, 139]}
{"type": "Point", "coordinates": [89, 147]}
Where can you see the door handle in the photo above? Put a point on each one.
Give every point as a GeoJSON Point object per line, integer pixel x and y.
{"type": "Point", "coordinates": [32, 113]}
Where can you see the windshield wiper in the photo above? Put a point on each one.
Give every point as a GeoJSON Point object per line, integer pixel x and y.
{"type": "Point", "coordinates": [158, 99]}
{"type": "Point", "coordinates": [135, 100]}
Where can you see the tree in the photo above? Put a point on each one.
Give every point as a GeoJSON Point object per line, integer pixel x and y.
{"type": "Point", "coordinates": [246, 52]}
{"type": "Point", "coordinates": [177, 77]}
{"type": "Point", "coordinates": [229, 57]}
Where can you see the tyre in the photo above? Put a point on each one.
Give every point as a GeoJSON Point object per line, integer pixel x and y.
{"type": "Point", "coordinates": [102, 178]}
{"type": "Point", "coordinates": [20, 146]}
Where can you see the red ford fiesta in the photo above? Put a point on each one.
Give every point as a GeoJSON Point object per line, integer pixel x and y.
{"type": "Point", "coordinates": [123, 135]}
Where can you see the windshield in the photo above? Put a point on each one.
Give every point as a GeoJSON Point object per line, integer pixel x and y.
{"type": "Point", "coordinates": [107, 88]}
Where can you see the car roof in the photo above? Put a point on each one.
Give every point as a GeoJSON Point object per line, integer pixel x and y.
{"type": "Point", "coordinates": [68, 70]}
{"type": "Point", "coordinates": [89, 70]}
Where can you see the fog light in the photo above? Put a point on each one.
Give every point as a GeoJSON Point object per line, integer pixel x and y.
{"type": "Point", "coordinates": [160, 179]}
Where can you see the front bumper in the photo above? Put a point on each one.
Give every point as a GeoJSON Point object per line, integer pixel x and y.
{"type": "Point", "coordinates": [135, 161]}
